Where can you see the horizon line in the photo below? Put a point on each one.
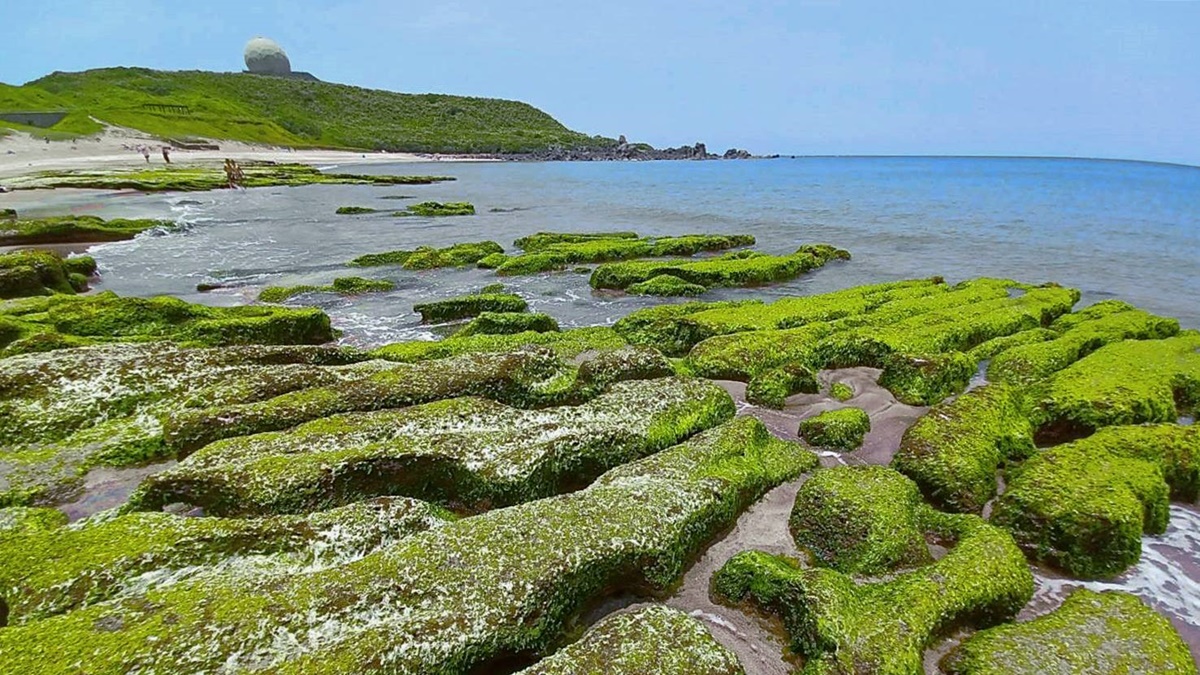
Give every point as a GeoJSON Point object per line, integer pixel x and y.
{"type": "Point", "coordinates": [782, 155]}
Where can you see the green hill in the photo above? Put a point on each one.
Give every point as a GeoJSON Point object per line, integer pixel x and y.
{"type": "Point", "coordinates": [293, 112]}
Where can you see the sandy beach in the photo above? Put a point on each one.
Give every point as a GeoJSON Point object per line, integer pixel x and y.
{"type": "Point", "coordinates": [116, 148]}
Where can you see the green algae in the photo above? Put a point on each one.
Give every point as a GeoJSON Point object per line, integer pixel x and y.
{"type": "Point", "coordinates": [354, 210]}
{"type": "Point", "coordinates": [666, 285]}
{"type": "Point", "coordinates": [1130, 382]}
{"type": "Point", "coordinates": [340, 285]}
{"type": "Point", "coordinates": [29, 273]}
{"type": "Point", "coordinates": [665, 326]}
{"type": "Point", "coordinates": [1106, 632]}
{"type": "Point", "coordinates": [840, 391]}
{"type": "Point", "coordinates": [446, 600]}
{"type": "Point", "coordinates": [860, 520]}
{"type": "Point", "coordinates": [469, 453]}
{"type": "Point", "coordinates": [426, 257]}
{"type": "Point", "coordinates": [954, 451]}
{"type": "Point", "coordinates": [842, 429]}
{"type": "Point", "coordinates": [772, 388]}
{"type": "Point", "coordinates": [468, 306]}
{"type": "Point", "coordinates": [843, 627]}
{"type": "Point", "coordinates": [74, 229]}
{"type": "Point", "coordinates": [1079, 334]}
{"type": "Point", "coordinates": [509, 323]}
{"type": "Point", "coordinates": [524, 376]}
{"type": "Point", "coordinates": [743, 268]}
{"type": "Point", "coordinates": [431, 209]}
{"type": "Point", "coordinates": [548, 251]}
{"type": "Point", "coordinates": [203, 179]}
{"type": "Point", "coordinates": [61, 321]}
{"type": "Point", "coordinates": [919, 341]}
{"type": "Point", "coordinates": [1084, 506]}
{"type": "Point", "coordinates": [542, 240]}
{"type": "Point", "coordinates": [654, 640]}
{"type": "Point", "coordinates": [492, 261]}
{"type": "Point", "coordinates": [52, 570]}
{"type": "Point", "coordinates": [66, 411]}
{"type": "Point", "coordinates": [567, 344]}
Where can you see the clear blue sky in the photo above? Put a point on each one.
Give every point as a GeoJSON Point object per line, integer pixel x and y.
{"type": "Point", "coordinates": [1108, 78]}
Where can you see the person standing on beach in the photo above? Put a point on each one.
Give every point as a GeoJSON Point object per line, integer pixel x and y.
{"type": "Point", "coordinates": [146, 153]}
{"type": "Point", "coordinates": [166, 150]}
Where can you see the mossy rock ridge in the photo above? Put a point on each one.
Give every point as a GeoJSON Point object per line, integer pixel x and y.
{"type": "Point", "coordinates": [468, 306]}
{"type": "Point", "coordinates": [954, 451]}
{"type": "Point", "coordinates": [52, 570]}
{"type": "Point", "coordinates": [65, 411]}
{"type": "Point", "coordinates": [1090, 634]}
{"type": "Point", "coordinates": [517, 377]}
{"type": "Point", "coordinates": [443, 601]}
{"type": "Point", "coordinates": [860, 520]}
{"type": "Point", "coordinates": [653, 640]}
{"type": "Point", "coordinates": [1085, 506]}
{"type": "Point", "coordinates": [467, 453]}
{"type": "Point", "coordinates": [842, 627]}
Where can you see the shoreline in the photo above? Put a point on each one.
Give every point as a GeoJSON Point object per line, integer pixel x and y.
{"type": "Point", "coordinates": [22, 154]}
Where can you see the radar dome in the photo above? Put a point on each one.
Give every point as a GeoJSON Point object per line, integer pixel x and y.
{"type": "Point", "coordinates": [266, 57]}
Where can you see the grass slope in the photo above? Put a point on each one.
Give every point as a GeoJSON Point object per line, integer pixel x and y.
{"type": "Point", "coordinates": [281, 111]}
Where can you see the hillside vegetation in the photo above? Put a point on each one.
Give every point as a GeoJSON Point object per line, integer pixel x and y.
{"type": "Point", "coordinates": [281, 111]}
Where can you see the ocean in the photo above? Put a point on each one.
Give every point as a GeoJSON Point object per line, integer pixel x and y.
{"type": "Point", "coordinates": [1113, 229]}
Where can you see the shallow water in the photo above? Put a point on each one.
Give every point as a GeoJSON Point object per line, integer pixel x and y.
{"type": "Point", "coordinates": [1113, 229]}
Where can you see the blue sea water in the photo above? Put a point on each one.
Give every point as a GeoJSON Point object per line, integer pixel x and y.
{"type": "Point", "coordinates": [1113, 229]}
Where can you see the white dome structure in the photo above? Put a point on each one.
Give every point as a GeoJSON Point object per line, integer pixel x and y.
{"type": "Point", "coordinates": [265, 57]}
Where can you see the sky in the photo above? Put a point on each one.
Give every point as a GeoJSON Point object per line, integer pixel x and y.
{"type": "Point", "coordinates": [1084, 78]}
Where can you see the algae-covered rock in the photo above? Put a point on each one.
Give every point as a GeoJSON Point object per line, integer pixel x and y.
{"type": "Point", "coordinates": [840, 391]}
{"type": "Point", "coordinates": [492, 261]}
{"type": "Point", "coordinates": [201, 179]}
{"type": "Point", "coordinates": [860, 520]}
{"type": "Point", "coordinates": [733, 269]}
{"type": "Point", "coordinates": [438, 209]}
{"type": "Point", "coordinates": [1084, 506]}
{"type": "Point", "coordinates": [547, 252]}
{"type": "Point", "coordinates": [427, 257]}
{"type": "Point", "coordinates": [772, 388]}
{"type": "Point", "coordinates": [666, 285]}
{"type": "Point", "coordinates": [666, 327]}
{"type": "Point", "coordinates": [567, 344]}
{"type": "Point", "coordinates": [28, 273]}
{"type": "Point", "coordinates": [1079, 334]}
{"type": "Point", "coordinates": [340, 285]}
{"type": "Point", "coordinates": [531, 263]}
{"type": "Point", "coordinates": [919, 337]}
{"type": "Point", "coordinates": [954, 451]}
{"type": "Point", "coordinates": [517, 377]}
{"type": "Point", "coordinates": [501, 456]}
{"type": "Point", "coordinates": [1130, 382]}
{"type": "Point", "coordinates": [74, 229]}
{"type": "Point", "coordinates": [106, 317]}
{"type": "Point", "coordinates": [453, 598]}
{"type": "Point", "coordinates": [65, 411]}
{"type": "Point", "coordinates": [467, 306]}
{"type": "Point", "coordinates": [53, 570]}
{"type": "Point", "coordinates": [509, 323]}
{"type": "Point", "coordinates": [354, 210]}
{"type": "Point", "coordinates": [626, 363]}
{"type": "Point", "coordinates": [843, 429]}
{"type": "Point", "coordinates": [841, 627]}
{"type": "Point", "coordinates": [1090, 634]}
{"type": "Point", "coordinates": [653, 640]}
{"type": "Point", "coordinates": [543, 240]}
{"type": "Point", "coordinates": [687, 324]}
